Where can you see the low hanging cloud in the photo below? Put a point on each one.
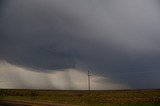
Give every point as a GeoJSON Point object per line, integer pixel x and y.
{"type": "Point", "coordinates": [118, 39]}
{"type": "Point", "coordinates": [12, 76]}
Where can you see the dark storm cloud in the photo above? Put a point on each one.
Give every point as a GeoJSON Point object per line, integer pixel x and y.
{"type": "Point", "coordinates": [32, 37]}
{"type": "Point", "coordinates": [119, 39]}
{"type": "Point", "coordinates": [37, 37]}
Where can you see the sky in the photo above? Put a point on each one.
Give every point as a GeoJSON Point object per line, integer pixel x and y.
{"type": "Point", "coordinates": [51, 44]}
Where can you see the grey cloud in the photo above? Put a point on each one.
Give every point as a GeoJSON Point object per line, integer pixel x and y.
{"type": "Point", "coordinates": [27, 38]}
{"type": "Point", "coordinates": [118, 39]}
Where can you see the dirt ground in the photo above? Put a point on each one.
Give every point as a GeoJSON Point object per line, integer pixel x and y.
{"type": "Point", "coordinates": [24, 103]}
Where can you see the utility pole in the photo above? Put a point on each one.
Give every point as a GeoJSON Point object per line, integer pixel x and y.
{"type": "Point", "coordinates": [89, 86]}
{"type": "Point", "coordinates": [89, 83]}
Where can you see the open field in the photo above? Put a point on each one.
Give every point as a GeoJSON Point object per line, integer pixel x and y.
{"type": "Point", "coordinates": [84, 98]}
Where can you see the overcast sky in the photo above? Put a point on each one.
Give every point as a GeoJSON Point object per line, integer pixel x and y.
{"type": "Point", "coordinates": [55, 42]}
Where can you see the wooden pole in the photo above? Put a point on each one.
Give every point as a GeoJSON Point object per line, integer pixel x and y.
{"type": "Point", "coordinates": [89, 83]}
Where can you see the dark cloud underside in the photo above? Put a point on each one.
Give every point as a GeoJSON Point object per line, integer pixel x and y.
{"type": "Point", "coordinates": [112, 38]}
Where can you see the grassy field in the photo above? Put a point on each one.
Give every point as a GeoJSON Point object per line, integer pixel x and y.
{"type": "Point", "coordinates": [86, 98]}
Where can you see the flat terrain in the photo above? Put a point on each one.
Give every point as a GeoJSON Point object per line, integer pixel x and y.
{"type": "Point", "coordinates": [13, 97]}
{"type": "Point", "coordinates": [26, 103]}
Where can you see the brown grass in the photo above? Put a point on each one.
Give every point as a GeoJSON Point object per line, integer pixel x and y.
{"type": "Point", "coordinates": [86, 98]}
